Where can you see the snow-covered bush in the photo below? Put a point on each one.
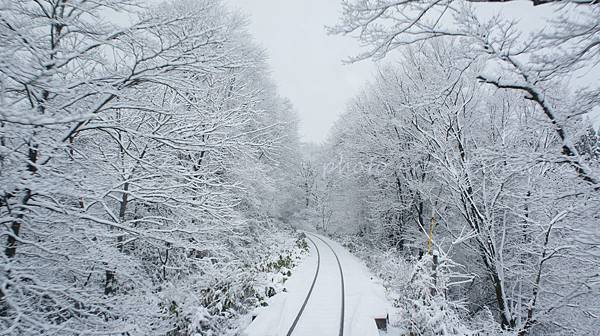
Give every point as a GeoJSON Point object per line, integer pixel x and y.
{"type": "Point", "coordinates": [388, 264]}
{"type": "Point", "coordinates": [419, 292]}
{"type": "Point", "coordinates": [426, 311]}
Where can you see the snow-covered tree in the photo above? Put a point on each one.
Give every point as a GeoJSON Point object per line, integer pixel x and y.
{"type": "Point", "coordinates": [533, 64]}
{"type": "Point", "coordinates": [126, 157]}
{"type": "Point", "coordinates": [477, 172]}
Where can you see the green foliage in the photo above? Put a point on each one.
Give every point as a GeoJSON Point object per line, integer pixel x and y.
{"type": "Point", "coordinates": [270, 291]}
{"type": "Point", "coordinates": [302, 244]}
{"type": "Point", "coordinates": [282, 263]}
{"type": "Point", "coordinates": [173, 308]}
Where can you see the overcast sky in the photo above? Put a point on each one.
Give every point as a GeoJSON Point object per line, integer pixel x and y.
{"type": "Point", "coordinates": [306, 62]}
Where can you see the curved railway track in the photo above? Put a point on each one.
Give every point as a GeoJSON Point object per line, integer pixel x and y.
{"type": "Point", "coordinates": [306, 300]}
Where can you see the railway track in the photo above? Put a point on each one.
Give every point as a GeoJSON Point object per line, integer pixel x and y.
{"type": "Point", "coordinates": [310, 291]}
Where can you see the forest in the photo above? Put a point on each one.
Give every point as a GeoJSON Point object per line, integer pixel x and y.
{"type": "Point", "coordinates": [152, 177]}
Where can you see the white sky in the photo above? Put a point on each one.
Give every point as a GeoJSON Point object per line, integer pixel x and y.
{"type": "Point", "coordinates": [306, 63]}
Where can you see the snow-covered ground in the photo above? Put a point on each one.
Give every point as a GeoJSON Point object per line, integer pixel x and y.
{"type": "Point", "coordinates": [364, 297]}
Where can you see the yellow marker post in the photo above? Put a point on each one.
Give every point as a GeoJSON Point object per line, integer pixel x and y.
{"type": "Point", "coordinates": [430, 240]}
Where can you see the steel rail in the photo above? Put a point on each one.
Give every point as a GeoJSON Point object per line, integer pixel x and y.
{"type": "Point", "coordinates": [309, 291]}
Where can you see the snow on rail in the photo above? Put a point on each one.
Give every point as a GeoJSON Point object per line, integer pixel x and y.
{"type": "Point", "coordinates": [312, 286]}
